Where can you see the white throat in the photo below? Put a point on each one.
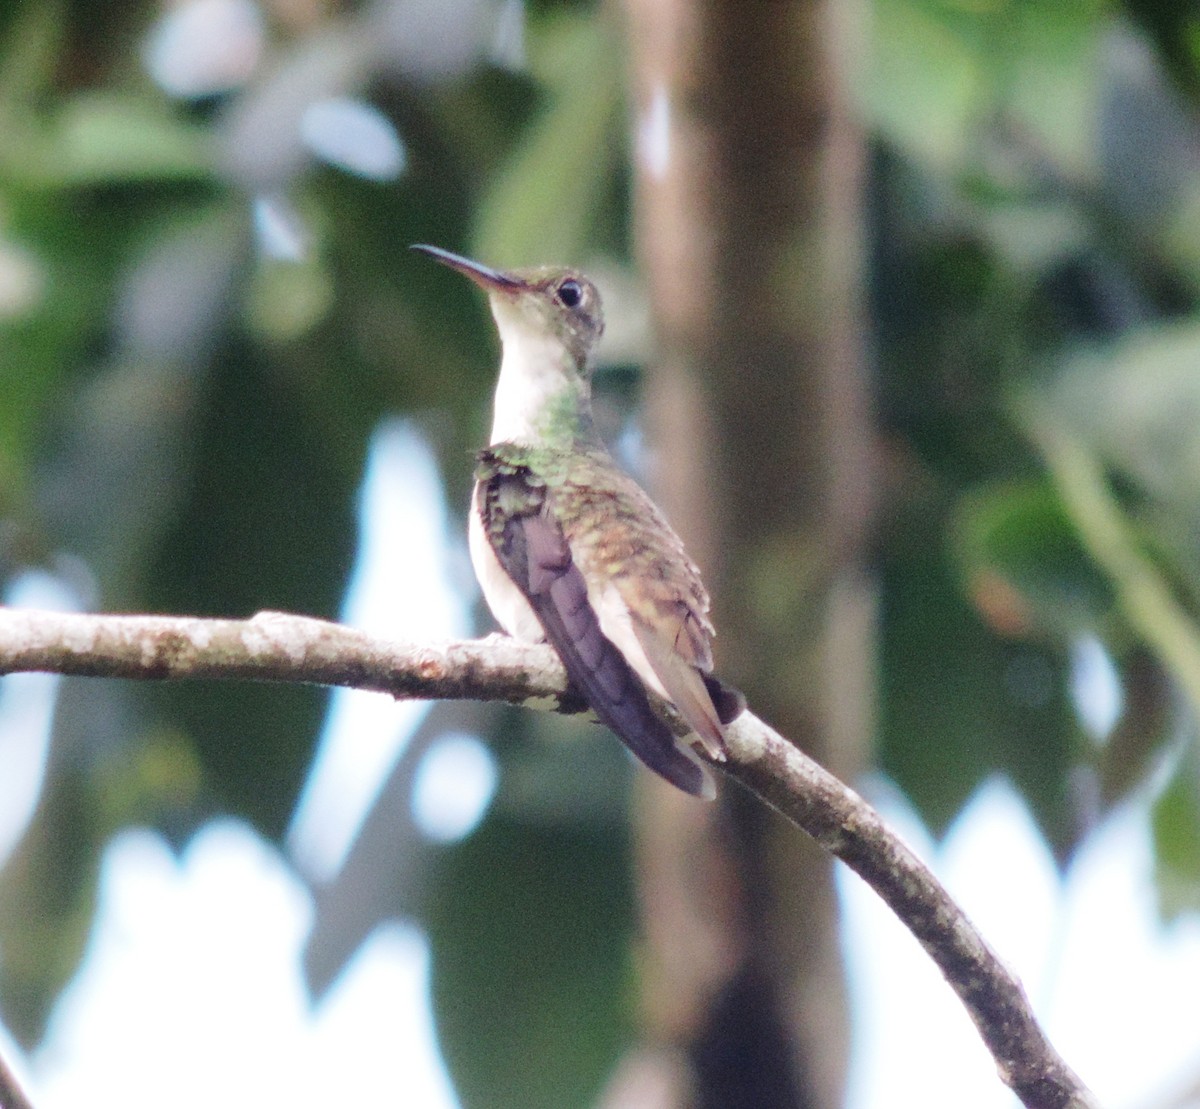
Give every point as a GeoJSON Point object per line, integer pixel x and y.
{"type": "Point", "coordinates": [535, 369]}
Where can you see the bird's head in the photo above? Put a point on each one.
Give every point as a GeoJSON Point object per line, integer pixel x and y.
{"type": "Point", "coordinates": [533, 307]}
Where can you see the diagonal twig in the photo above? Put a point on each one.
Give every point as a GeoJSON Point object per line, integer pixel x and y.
{"type": "Point", "coordinates": [11, 1094]}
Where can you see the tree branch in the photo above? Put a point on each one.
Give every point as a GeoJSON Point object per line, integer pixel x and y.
{"type": "Point", "coordinates": [282, 648]}
{"type": "Point", "coordinates": [11, 1094]}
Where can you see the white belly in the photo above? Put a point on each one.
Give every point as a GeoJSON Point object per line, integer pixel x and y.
{"type": "Point", "coordinates": [506, 601]}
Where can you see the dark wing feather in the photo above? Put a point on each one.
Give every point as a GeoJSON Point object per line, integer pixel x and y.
{"type": "Point", "coordinates": [730, 703]}
{"type": "Point", "coordinates": [534, 552]}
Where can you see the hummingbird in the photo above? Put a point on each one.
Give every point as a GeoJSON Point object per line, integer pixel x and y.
{"type": "Point", "coordinates": [569, 550]}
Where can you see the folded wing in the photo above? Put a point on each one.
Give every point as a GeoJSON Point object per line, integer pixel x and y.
{"type": "Point", "coordinates": [534, 552]}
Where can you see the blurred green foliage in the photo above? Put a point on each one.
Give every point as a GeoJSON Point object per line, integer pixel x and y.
{"type": "Point", "coordinates": [183, 421]}
{"type": "Point", "coordinates": [1035, 199]}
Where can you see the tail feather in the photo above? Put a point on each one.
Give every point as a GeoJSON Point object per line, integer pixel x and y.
{"type": "Point", "coordinates": [730, 703]}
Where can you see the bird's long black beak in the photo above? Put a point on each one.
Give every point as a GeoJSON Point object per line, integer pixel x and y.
{"type": "Point", "coordinates": [483, 276]}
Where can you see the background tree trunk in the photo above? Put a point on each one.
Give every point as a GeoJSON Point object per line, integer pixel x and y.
{"type": "Point", "coordinates": [748, 169]}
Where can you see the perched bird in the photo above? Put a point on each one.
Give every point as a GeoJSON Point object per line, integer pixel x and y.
{"type": "Point", "coordinates": [567, 547]}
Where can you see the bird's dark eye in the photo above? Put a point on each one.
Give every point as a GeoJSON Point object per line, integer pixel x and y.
{"type": "Point", "coordinates": [569, 293]}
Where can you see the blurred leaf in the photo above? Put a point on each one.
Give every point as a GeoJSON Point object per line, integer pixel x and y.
{"type": "Point", "coordinates": [946, 81]}
{"type": "Point", "coordinates": [102, 137]}
{"type": "Point", "coordinates": [541, 206]}
{"type": "Point", "coordinates": [1147, 598]}
{"type": "Point", "coordinates": [530, 927]}
{"type": "Point", "coordinates": [1017, 535]}
{"type": "Point", "coordinates": [1137, 405]}
{"type": "Point", "coordinates": [1031, 237]}
{"type": "Point", "coordinates": [1051, 77]}
{"type": "Point", "coordinates": [924, 107]}
{"type": "Point", "coordinates": [1176, 822]}
{"type": "Point", "coordinates": [28, 60]}
{"type": "Point", "coordinates": [105, 138]}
